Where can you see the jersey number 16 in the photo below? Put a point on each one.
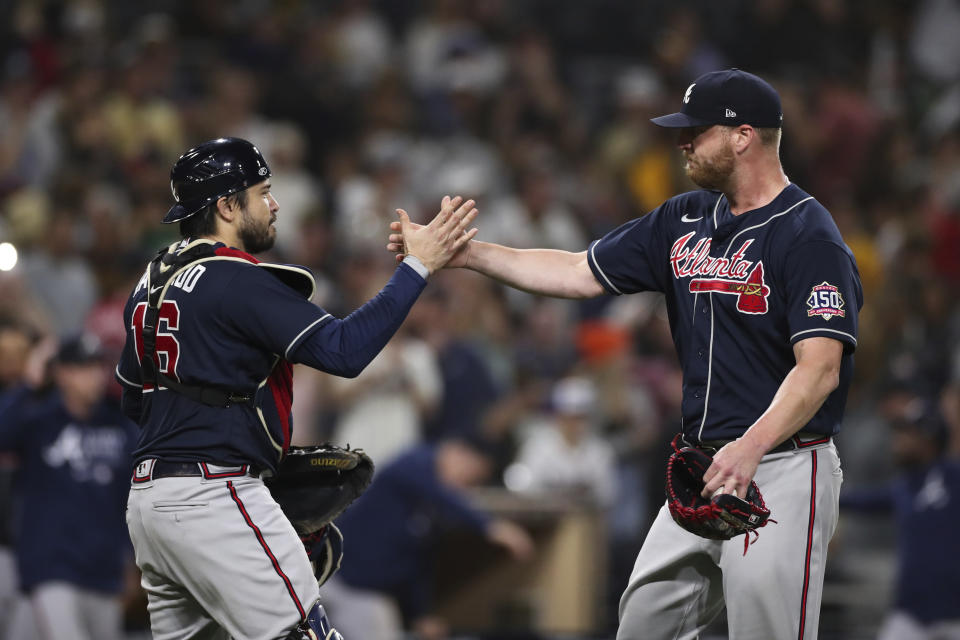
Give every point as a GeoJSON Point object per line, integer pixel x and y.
{"type": "Point", "coordinates": [167, 348]}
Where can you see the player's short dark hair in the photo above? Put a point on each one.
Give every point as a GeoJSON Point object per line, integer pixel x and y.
{"type": "Point", "coordinates": [769, 136]}
{"type": "Point", "coordinates": [204, 222]}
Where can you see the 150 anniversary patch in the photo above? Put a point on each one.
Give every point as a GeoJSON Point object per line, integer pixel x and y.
{"type": "Point", "coordinates": [826, 301]}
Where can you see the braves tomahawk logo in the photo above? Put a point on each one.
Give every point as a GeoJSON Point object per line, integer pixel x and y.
{"type": "Point", "coordinates": [734, 275]}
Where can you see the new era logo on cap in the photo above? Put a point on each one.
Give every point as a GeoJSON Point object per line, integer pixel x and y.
{"type": "Point", "coordinates": [728, 97]}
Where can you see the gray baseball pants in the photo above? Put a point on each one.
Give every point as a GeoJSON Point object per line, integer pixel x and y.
{"type": "Point", "coordinates": [219, 559]}
{"type": "Point", "coordinates": [681, 581]}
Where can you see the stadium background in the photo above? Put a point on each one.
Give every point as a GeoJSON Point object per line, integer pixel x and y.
{"type": "Point", "coordinates": [537, 108]}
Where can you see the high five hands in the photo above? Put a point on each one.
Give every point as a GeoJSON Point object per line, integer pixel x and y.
{"type": "Point", "coordinates": [444, 241]}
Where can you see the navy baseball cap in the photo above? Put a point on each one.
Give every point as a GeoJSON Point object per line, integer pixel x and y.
{"type": "Point", "coordinates": [730, 97]}
{"type": "Point", "coordinates": [80, 349]}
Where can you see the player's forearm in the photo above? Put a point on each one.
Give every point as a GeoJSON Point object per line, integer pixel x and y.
{"type": "Point", "coordinates": [549, 272]}
{"type": "Point", "coordinates": [798, 399]}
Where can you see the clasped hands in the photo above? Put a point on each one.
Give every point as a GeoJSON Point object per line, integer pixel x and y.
{"type": "Point", "coordinates": [444, 241]}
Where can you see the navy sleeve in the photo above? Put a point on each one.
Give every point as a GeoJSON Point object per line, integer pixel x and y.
{"type": "Point", "coordinates": [456, 509]}
{"type": "Point", "coordinates": [823, 292]}
{"type": "Point", "coordinates": [128, 371]}
{"type": "Point", "coordinates": [631, 257]}
{"type": "Point", "coordinates": [262, 309]}
{"type": "Point", "coordinates": [415, 474]}
{"type": "Point", "coordinates": [344, 347]}
{"type": "Point", "coordinates": [868, 500]}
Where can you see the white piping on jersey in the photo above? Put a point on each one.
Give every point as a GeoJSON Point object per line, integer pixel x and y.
{"type": "Point", "coordinates": [843, 333]}
{"type": "Point", "coordinates": [605, 278]}
{"type": "Point", "coordinates": [286, 352]}
{"type": "Point", "coordinates": [263, 420]}
{"type": "Point", "coordinates": [125, 381]}
{"type": "Point", "coordinates": [706, 395]}
{"type": "Point", "coordinates": [715, 207]}
{"type": "Point", "coordinates": [756, 226]}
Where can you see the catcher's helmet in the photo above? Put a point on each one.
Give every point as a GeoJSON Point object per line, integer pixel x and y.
{"type": "Point", "coordinates": [212, 170]}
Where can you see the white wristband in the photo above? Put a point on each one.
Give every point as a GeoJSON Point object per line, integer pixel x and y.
{"type": "Point", "coordinates": [414, 263]}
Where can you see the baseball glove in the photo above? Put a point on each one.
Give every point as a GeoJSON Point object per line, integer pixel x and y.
{"type": "Point", "coordinates": [719, 518]}
{"type": "Point", "coordinates": [313, 485]}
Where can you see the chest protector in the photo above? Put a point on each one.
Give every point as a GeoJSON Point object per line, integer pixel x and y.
{"type": "Point", "coordinates": [161, 271]}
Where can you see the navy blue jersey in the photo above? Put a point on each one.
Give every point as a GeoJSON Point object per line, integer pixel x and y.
{"type": "Point", "coordinates": [923, 500]}
{"type": "Point", "coordinates": [740, 291]}
{"type": "Point", "coordinates": [392, 528]}
{"type": "Point", "coordinates": [70, 490]}
{"type": "Point", "coordinates": [234, 323]}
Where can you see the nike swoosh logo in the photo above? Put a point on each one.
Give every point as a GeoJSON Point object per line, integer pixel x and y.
{"type": "Point", "coordinates": [687, 218]}
{"type": "Point", "coordinates": [155, 289]}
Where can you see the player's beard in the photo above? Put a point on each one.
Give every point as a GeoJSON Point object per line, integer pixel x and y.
{"type": "Point", "coordinates": [256, 236]}
{"type": "Point", "coordinates": [712, 173]}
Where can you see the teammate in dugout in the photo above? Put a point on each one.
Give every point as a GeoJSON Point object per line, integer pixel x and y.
{"type": "Point", "coordinates": [75, 448]}
{"type": "Point", "coordinates": [762, 296]}
{"type": "Point", "coordinates": [218, 557]}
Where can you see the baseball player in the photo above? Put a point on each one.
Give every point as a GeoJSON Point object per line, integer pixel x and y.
{"type": "Point", "coordinates": [922, 500]}
{"type": "Point", "coordinates": [75, 449]}
{"type": "Point", "coordinates": [212, 334]}
{"type": "Point", "coordinates": [762, 295]}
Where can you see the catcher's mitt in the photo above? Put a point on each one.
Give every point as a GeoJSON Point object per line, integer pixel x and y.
{"type": "Point", "coordinates": [719, 518]}
{"type": "Point", "coordinates": [315, 484]}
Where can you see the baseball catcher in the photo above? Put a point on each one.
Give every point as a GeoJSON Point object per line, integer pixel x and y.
{"type": "Point", "coordinates": [213, 334]}
{"type": "Point", "coordinates": [720, 517]}
{"type": "Point", "coordinates": [313, 486]}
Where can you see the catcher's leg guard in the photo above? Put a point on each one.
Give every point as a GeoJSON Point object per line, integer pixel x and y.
{"type": "Point", "coordinates": [315, 627]}
{"type": "Point", "coordinates": [325, 550]}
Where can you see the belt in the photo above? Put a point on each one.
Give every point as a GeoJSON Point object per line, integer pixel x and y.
{"type": "Point", "coordinates": [153, 468]}
{"type": "Point", "coordinates": [793, 443]}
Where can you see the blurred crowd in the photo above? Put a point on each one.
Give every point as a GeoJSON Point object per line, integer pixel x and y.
{"type": "Point", "coordinates": [539, 110]}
